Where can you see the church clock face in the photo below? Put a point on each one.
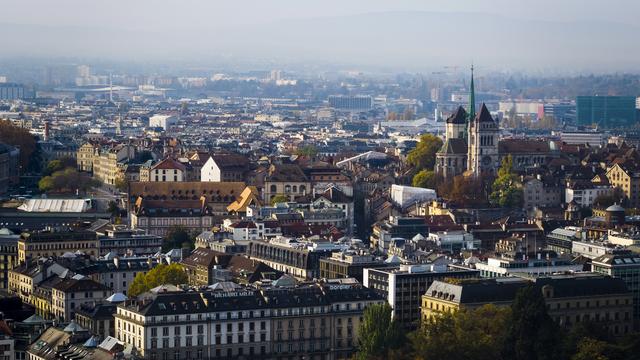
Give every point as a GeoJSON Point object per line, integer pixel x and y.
{"type": "Point", "coordinates": [486, 161]}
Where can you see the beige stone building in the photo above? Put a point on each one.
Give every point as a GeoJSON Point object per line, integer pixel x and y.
{"type": "Point", "coordinates": [68, 295]}
{"type": "Point", "coordinates": [107, 166]}
{"type": "Point", "coordinates": [570, 299]}
{"type": "Point", "coordinates": [86, 153]}
{"type": "Point", "coordinates": [627, 180]}
{"type": "Point", "coordinates": [285, 179]}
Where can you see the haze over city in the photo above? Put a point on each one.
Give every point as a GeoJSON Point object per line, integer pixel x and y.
{"type": "Point", "coordinates": [567, 36]}
{"type": "Point", "coordinates": [319, 180]}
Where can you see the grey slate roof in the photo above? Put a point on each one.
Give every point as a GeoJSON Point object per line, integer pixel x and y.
{"type": "Point", "coordinates": [454, 147]}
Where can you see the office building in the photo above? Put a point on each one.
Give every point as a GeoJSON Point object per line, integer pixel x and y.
{"type": "Point", "coordinates": [12, 91]}
{"type": "Point", "coordinates": [403, 286]}
{"type": "Point", "coordinates": [509, 264]}
{"type": "Point", "coordinates": [300, 259]}
{"type": "Point", "coordinates": [606, 111]}
{"type": "Point", "coordinates": [122, 241]}
{"type": "Point", "coordinates": [351, 103]}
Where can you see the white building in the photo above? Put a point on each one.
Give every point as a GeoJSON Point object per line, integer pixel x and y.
{"type": "Point", "coordinates": [585, 193]}
{"type": "Point", "coordinates": [581, 138]}
{"type": "Point", "coordinates": [168, 170]}
{"type": "Point", "coordinates": [539, 265]}
{"type": "Point", "coordinates": [454, 241]}
{"type": "Point", "coordinates": [162, 121]}
{"type": "Point", "coordinates": [405, 196]}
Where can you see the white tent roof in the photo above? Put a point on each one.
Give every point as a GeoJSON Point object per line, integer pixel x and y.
{"type": "Point", "coordinates": [117, 297]}
{"type": "Point", "coordinates": [56, 205]}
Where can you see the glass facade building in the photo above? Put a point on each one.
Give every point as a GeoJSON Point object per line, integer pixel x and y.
{"type": "Point", "coordinates": [607, 111]}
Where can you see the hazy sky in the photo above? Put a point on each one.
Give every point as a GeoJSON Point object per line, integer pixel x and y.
{"type": "Point", "coordinates": [278, 28]}
{"type": "Point", "coordinates": [156, 14]}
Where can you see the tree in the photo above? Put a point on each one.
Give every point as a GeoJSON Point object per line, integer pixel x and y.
{"type": "Point", "coordinates": [463, 190]}
{"type": "Point", "coordinates": [122, 183]}
{"type": "Point", "coordinates": [591, 349]}
{"type": "Point", "coordinates": [160, 275]}
{"type": "Point", "coordinates": [20, 138]}
{"type": "Point", "coordinates": [177, 237]}
{"type": "Point", "coordinates": [378, 333]}
{"type": "Point", "coordinates": [532, 334]}
{"type": "Point", "coordinates": [465, 334]}
{"type": "Point", "coordinates": [280, 198]}
{"type": "Point", "coordinates": [58, 165]}
{"type": "Point", "coordinates": [425, 179]}
{"type": "Point", "coordinates": [507, 191]}
{"type": "Point", "coordinates": [309, 151]}
{"type": "Point", "coordinates": [424, 155]}
{"type": "Point", "coordinates": [606, 200]}
{"type": "Point", "coordinates": [144, 156]}
{"type": "Point", "coordinates": [113, 208]}
{"type": "Point", "coordinates": [67, 180]}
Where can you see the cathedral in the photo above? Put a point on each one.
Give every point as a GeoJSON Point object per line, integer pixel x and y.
{"type": "Point", "coordinates": [473, 146]}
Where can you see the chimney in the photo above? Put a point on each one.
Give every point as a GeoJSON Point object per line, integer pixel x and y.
{"type": "Point", "coordinates": [46, 131]}
{"type": "Point", "coordinates": [116, 262]}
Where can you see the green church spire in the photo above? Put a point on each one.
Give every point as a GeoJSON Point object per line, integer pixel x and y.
{"type": "Point", "coordinates": [472, 98]}
{"type": "Point", "coordinates": [471, 112]}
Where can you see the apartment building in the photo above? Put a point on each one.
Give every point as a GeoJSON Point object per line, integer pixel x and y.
{"type": "Point", "coordinates": [56, 243]}
{"type": "Point", "coordinates": [317, 321]}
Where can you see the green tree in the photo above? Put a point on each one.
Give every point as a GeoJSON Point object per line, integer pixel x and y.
{"type": "Point", "coordinates": [466, 334]}
{"type": "Point", "coordinates": [378, 334]}
{"type": "Point", "coordinates": [177, 237]}
{"type": "Point", "coordinates": [58, 165]}
{"type": "Point", "coordinates": [424, 155]}
{"type": "Point", "coordinates": [122, 183]}
{"type": "Point", "coordinates": [591, 349]}
{"type": "Point", "coordinates": [425, 179]}
{"type": "Point", "coordinates": [308, 150]}
{"type": "Point", "coordinates": [112, 207]}
{"type": "Point", "coordinates": [280, 198]}
{"type": "Point", "coordinates": [532, 334]}
{"type": "Point", "coordinates": [507, 191]}
{"type": "Point", "coordinates": [67, 180]}
{"type": "Point", "coordinates": [160, 275]}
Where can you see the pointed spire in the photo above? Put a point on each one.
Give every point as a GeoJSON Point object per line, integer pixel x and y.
{"type": "Point", "coordinates": [472, 98]}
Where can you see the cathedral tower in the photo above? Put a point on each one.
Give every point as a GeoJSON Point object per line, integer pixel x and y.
{"type": "Point", "coordinates": [483, 135]}
{"type": "Point", "coordinates": [483, 155]}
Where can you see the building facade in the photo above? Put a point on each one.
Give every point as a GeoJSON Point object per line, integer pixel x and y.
{"type": "Point", "coordinates": [310, 321]}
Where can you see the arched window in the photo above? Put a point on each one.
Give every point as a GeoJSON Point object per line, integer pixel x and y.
{"type": "Point", "coordinates": [274, 188]}
{"type": "Point", "coordinates": [287, 188]}
{"type": "Point", "coordinates": [303, 189]}
{"type": "Point", "coordinates": [295, 188]}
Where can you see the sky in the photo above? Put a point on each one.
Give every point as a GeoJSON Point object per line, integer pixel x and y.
{"type": "Point", "coordinates": [402, 33]}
